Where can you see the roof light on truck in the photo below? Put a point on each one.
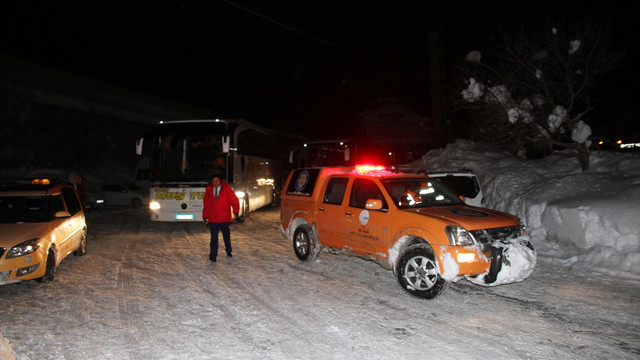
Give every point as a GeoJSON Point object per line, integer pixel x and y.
{"type": "Point", "coordinates": [366, 169]}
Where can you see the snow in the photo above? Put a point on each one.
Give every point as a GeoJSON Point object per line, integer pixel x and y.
{"type": "Point", "coordinates": [580, 132]}
{"type": "Point", "coordinates": [474, 91]}
{"type": "Point", "coordinates": [556, 118]}
{"type": "Point", "coordinates": [574, 45]}
{"type": "Point", "coordinates": [519, 261]}
{"type": "Point", "coordinates": [146, 290]}
{"type": "Point", "coordinates": [589, 219]}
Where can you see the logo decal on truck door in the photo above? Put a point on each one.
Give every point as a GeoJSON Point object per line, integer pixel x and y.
{"type": "Point", "coordinates": [364, 217]}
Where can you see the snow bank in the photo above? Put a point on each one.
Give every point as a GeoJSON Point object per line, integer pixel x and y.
{"type": "Point", "coordinates": [575, 218]}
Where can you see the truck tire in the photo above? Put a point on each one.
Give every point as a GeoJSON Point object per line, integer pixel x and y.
{"type": "Point", "coordinates": [417, 272]}
{"type": "Point", "coordinates": [305, 245]}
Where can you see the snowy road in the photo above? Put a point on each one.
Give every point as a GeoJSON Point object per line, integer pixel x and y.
{"type": "Point", "coordinates": [146, 290]}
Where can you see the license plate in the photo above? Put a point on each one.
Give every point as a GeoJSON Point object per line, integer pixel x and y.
{"type": "Point", "coordinates": [185, 217]}
{"type": "Point", "coordinates": [4, 275]}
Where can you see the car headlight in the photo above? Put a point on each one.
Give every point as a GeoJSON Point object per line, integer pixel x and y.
{"type": "Point", "coordinates": [154, 205]}
{"type": "Point", "coordinates": [24, 248]}
{"type": "Point", "coordinates": [458, 235]}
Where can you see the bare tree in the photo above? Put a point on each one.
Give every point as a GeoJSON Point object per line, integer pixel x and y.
{"type": "Point", "coordinates": [535, 95]}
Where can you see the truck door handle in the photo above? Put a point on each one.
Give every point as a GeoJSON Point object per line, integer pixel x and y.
{"type": "Point", "coordinates": [348, 213]}
{"type": "Point", "coordinates": [320, 209]}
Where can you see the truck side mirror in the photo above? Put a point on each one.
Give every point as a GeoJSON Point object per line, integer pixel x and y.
{"type": "Point", "coordinates": [373, 204]}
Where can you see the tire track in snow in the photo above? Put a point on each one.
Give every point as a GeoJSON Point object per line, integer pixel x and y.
{"type": "Point", "coordinates": [196, 243]}
{"type": "Point", "coordinates": [129, 305]}
{"type": "Point", "coordinates": [254, 293]}
{"type": "Point", "coordinates": [228, 274]}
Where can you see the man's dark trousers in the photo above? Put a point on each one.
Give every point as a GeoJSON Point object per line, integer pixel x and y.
{"type": "Point", "coordinates": [226, 236]}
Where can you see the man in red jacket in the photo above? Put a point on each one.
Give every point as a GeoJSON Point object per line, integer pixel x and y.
{"type": "Point", "coordinates": [219, 199]}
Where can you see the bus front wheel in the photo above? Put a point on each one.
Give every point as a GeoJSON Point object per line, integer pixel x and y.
{"type": "Point", "coordinates": [245, 208]}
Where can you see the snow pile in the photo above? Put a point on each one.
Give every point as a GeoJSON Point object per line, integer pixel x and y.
{"type": "Point", "coordinates": [574, 218]}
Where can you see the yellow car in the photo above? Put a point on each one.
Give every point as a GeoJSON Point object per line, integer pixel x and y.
{"type": "Point", "coordinates": [41, 223]}
{"type": "Point", "coordinates": [408, 223]}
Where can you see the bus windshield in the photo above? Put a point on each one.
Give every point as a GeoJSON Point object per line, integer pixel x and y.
{"type": "Point", "coordinates": [193, 153]}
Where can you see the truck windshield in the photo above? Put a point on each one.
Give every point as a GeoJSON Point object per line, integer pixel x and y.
{"type": "Point", "coordinates": [410, 193]}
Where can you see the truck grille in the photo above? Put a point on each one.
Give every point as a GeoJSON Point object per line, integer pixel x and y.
{"type": "Point", "coordinates": [488, 236]}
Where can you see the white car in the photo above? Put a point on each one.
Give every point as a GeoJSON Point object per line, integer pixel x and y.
{"type": "Point", "coordinates": [462, 182]}
{"type": "Point", "coordinates": [120, 195]}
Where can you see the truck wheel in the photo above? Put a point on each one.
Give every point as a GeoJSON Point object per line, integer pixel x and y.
{"type": "Point", "coordinates": [417, 272]}
{"type": "Point", "coordinates": [304, 244]}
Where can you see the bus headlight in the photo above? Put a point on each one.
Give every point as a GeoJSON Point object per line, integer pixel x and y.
{"type": "Point", "coordinates": [154, 205]}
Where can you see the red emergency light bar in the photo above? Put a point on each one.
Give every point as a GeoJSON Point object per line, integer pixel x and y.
{"type": "Point", "coordinates": [369, 168]}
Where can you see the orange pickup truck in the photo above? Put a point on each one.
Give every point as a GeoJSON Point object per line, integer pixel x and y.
{"type": "Point", "coordinates": [407, 223]}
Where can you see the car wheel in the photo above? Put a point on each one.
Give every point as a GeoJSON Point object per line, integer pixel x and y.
{"type": "Point", "coordinates": [82, 248]}
{"type": "Point", "coordinates": [50, 266]}
{"type": "Point", "coordinates": [304, 244]}
{"type": "Point", "coordinates": [136, 203]}
{"type": "Point", "coordinates": [418, 274]}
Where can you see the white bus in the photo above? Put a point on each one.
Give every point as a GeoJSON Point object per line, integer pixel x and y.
{"type": "Point", "coordinates": [185, 154]}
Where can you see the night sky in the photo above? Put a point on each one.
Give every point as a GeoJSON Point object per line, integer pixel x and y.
{"type": "Point", "coordinates": [277, 63]}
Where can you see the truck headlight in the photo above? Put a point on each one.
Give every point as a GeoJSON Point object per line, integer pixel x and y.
{"type": "Point", "coordinates": [24, 248]}
{"type": "Point", "coordinates": [458, 235]}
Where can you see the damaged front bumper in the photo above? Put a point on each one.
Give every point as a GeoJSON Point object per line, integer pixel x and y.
{"type": "Point", "coordinates": [511, 261]}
